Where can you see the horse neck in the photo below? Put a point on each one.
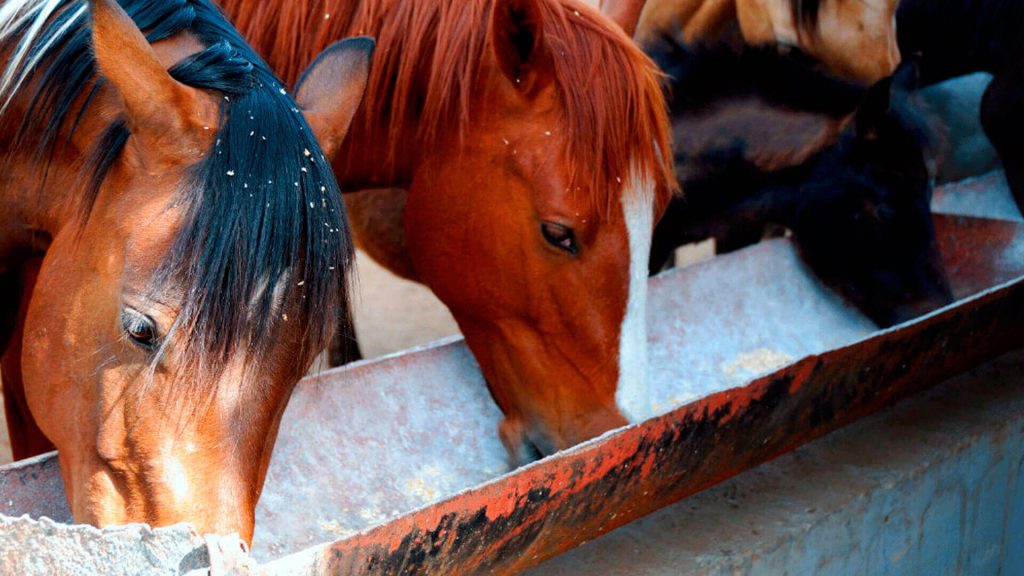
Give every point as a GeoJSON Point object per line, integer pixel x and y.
{"type": "Point", "coordinates": [705, 76]}
{"type": "Point", "coordinates": [731, 170]}
{"type": "Point", "coordinates": [723, 188]}
{"type": "Point", "coordinates": [366, 159]}
{"type": "Point", "coordinates": [733, 190]}
{"type": "Point", "coordinates": [958, 37]}
{"type": "Point", "coordinates": [372, 155]}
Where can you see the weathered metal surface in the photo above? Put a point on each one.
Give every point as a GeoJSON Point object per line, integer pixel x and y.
{"type": "Point", "coordinates": [932, 486]}
{"type": "Point", "coordinates": [962, 239]}
{"type": "Point", "coordinates": [985, 196]}
{"type": "Point", "coordinates": [370, 442]}
{"type": "Point", "coordinates": [411, 430]}
{"type": "Point", "coordinates": [399, 462]}
{"type": "Point", "coordinates": [535, 512]}
{"type": "Point", "coordinates": [34, 486]}
{"type": "Point", "coordinates": [556, 504]}
{"type": "Point", "coordinates": [965, 150]}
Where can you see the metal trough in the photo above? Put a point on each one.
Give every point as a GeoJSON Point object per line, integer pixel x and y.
{"type": "Point", "coordinates": [393, 466]}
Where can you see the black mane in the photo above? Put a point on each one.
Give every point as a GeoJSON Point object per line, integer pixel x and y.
{"type": "Point", "coordinates": [702, 80]}
{"type": "Point", "coordinates": [958, 37]}
{"type": "Point", "coordinates": [719, 72]}
{"type": "Point", "coordinates": [262, 212]}
{"type": "Point", "coordinates": [805, 13]}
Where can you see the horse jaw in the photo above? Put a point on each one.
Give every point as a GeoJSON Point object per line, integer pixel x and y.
{"type": "Point", "coordinates": [632, 394]}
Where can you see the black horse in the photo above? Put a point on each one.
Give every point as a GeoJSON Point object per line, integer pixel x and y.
{"type": "Point", "coordinates": [765, 138]}
{"type": "Point", "coordinates": [957, 37]}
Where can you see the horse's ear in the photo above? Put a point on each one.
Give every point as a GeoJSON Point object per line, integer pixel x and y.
{"type": "Point", "coordinates": [879, 99]}
{"type": "Point", "coordinates": [332, 88]}
{"type": "Point", "coordinates": [161, 112]}
{"type": "Point", "coordinates": [874, 108]}
{"type": "Point", "coordinates": [625, 13]}
{"type": "Point", "coordinates": [517, 30]}
{"type": "Point", "coordinates": [907, 77]}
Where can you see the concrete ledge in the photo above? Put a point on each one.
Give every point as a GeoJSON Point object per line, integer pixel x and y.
{"type": "Point", "coordinates": [30, 546]}
{"type": "Point", "coordinates": [931, 486]}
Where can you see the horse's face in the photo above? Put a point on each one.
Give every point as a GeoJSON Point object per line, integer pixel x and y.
{"type": "Point", "coordinates": [547, 287]}
{"type": "Point", "coordinates": [868, 230]}
{"type": "Point", "coordinates": [876, 246]}
{"type": "Point", "coordinates": [855, 38]}
{"type": "Point", "coordinates": [536, 278]}
{"type": "Point", "coordinates": [141, 438]}
{"type": "Point", "coordinates": [156, 420]}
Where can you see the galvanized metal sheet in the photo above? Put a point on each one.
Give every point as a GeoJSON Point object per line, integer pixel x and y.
{"type": "Point", "coordinates": [932, 486]}
{"type": "Point", "coordinates": [985, 196]}
{"type": "Point", "coordinates": [34, 486]}
{"type": "Point", "coordinates": [541, 510]}
{"type": "Point", "coordinates": [370, 443]}
{"type": "Point", "coordinates": [434, 431]}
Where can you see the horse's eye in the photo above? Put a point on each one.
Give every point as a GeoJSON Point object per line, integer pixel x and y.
{"type": "Point", "coordinates": [559, 236]}
{"type": "Point", "coordinates": [139, 328]}
{"type": "Point", "coordinates": [886, 213]}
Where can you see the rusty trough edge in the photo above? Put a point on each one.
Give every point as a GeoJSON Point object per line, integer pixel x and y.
{"type": "Point", "coordinates": [539, 511]}
{"type": "Point", "coordinates": [34, 484]}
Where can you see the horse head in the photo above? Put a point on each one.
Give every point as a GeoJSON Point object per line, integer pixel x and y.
{"type": "Point", "coordinates": [171, 319]}
{"type": "Point", "coordinates": [533, 226]}
{"type": "Point", "coordinates": [865, 226]}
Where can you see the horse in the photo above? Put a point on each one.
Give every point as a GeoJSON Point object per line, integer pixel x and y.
{"type": "Point", "coordinates": [766, 138]}
{"type": "Point", "coordinates": [855, 39]}
{"type": "Point", "coordinates": [171, 243]}
{"type": "Point", "coordinates": [531, 137]}
{"type": "Point", "coordinates": [957, 37]}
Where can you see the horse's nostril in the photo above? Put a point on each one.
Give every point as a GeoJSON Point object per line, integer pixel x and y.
{"type": "Point", "coordinates": [521, 450]}
{"type": "Point", "coordinates": [224, 555]}
{"type": "Point", "coordinates": [917, 307]}
{"type": "Point", "coordinates": [542, 445]}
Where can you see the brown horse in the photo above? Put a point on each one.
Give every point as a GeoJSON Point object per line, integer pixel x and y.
{"type": "Point", "coordinates": [170, 244]}
{"type": "Point", "coordinates": [532, 138]}
{"type": "Point", "coordinates": [853, 38]}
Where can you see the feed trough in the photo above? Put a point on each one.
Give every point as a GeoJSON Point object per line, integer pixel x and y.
{"type": "Point", "coordinates": [393, 466]}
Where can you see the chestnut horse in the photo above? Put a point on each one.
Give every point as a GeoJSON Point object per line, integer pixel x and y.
{"type": "Point", "coordinates": [532, 138]}
{"type": "Point", "coordinates": [855, 39]}
{"type": "Point", "coordinates": [171, 242]}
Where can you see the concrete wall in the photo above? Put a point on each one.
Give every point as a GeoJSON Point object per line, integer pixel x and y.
{"type": "Point", "coordinates": [933, 486]}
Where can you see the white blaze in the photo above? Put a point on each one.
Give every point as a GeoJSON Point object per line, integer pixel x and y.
{"type": "Point", "coordinates": [175, 478]}
{"type": "Point", "coordinates": [633, 393]}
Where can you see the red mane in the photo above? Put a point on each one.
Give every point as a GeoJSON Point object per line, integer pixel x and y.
{"type": "Point", "coordinates": [615, 113]}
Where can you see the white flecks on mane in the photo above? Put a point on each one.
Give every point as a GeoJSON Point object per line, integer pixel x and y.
{"type": "Point", "coordinates": [632, 395]}
{"type": "Point", "coordinates": [14, 14]}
